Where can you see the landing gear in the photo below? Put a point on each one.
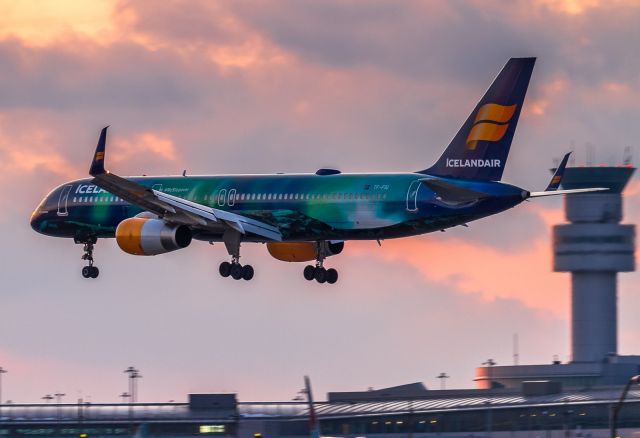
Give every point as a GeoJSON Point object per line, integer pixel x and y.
{"type": "Point", "coordinates": [318, 272]}
{"type": "Point", "coordinates": [234, 269]}
{"type": "Point", "coordinates": [89, 271]}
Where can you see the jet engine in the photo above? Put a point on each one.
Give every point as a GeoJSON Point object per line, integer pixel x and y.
{"type": "Point", "coordinates": [303, 251]}
{"type": "Point", "coordinates": [143, 236]}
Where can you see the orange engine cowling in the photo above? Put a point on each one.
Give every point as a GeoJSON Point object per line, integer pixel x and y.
{"type": "Point", "coordinates": [302, 251]}
{"type": "Point", "coordinates": [143, 236]}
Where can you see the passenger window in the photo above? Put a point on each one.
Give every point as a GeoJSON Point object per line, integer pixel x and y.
{"type": "Point", "coordinates": [232, 197]}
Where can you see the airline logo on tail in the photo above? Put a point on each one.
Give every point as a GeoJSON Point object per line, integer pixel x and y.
{"type": "Point", "coordinates": [490, 123]}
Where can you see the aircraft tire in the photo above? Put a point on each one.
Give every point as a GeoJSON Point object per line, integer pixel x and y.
{"type": "Point", "coordinates": [247, 272]}
{"type": "Point", "coordinates": [321, 275]}
{"type": "Point", "coordinates": [225, 269]}
{"type": "Point", "coordinates": [332, 276]}
{"type": "Point", "coordinates": [95, 272]}
{"type": "Point", "coordinates": [86, 271]}
{"type": "Point", "coordinates": [236, 271]}
{"type": "Point", "coordinates": [309, 272]}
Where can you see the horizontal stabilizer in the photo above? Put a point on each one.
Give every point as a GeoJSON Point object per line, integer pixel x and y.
{"type": "Point", "coordinates": [556, 179]}
{"type": "Point", "coordinates": [565, 192]}
{"type": "Point", "coordinates": [449, 192]}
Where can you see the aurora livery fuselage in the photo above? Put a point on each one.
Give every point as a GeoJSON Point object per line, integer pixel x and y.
{"type": "Point", "coordinates": [304, 207]}
{"type": "Point", "coordinates": [301, 217]}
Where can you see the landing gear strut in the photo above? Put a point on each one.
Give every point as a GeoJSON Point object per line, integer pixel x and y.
{"type": "Point", "coordinates": [89, 271]}
{"type": "Point", "coordinates": [234, 269]}
{"type": "Point", "coordinates": [318, 272]}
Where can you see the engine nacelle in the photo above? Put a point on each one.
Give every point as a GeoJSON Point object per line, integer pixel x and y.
{"type": "Point", "coordinates": [303, 251]}
{"type": "Point", "coordinates": [142, 236]}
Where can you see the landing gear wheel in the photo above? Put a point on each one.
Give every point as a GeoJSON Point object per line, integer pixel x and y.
{"type": "Point", "coordinates": [309, 272]}
{"type": "Point", "coordinates": [225, 269]}
{"type": "Point", "coordinates": [247, 272]}
{"type": "Point", "coordinates": [320, 274]}
{"type": "Point", "coordinates": [332, 276]}
{"type": "Point", "coordinates": [236, 271]}
{"type": "Point", "coordinates": [88, 271]}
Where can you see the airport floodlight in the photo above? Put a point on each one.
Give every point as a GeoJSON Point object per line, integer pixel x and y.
{"type": "Point", "coordinates": [134, 374]}
{"type": "Point", "coordinates": [47, 398]}
{"type": "Point", "coordinates": [2, 371]}
{"type": "Point", "coordinates": [443, 380]}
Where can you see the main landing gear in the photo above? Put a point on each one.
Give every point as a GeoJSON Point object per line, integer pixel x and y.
{"type": "Point", "coordinates": [89, 271]}
{"type": "Point", "coordinates": [318, 272]}
{"type": "Point", "coordinates": [234, 269]}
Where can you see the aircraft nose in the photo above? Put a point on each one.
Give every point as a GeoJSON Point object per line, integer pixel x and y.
{"type": "Point", "coordinates": [36, 220]}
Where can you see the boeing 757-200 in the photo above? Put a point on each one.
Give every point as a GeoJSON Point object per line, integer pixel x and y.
{"type": "Point", "coordinates": [301, 217]}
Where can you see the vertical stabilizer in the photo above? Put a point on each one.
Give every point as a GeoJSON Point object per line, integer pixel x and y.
{"type": "Point", "coordinates": [480, 148]}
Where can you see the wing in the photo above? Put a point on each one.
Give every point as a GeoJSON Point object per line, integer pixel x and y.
{"type": "Point", "coordinates": [174, 209]}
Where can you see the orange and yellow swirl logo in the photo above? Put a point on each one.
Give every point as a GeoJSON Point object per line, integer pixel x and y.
{"type": "Point", "coordinates": [490, 123]}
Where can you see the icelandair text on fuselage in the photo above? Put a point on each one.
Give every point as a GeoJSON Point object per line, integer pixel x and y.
{"type": "Point", "coordinates": [472, 163]}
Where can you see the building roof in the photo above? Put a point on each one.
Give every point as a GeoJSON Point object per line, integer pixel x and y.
{"type": "Point", "coordinates": [181, 412]}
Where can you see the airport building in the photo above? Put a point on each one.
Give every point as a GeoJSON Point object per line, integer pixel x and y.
{"type": "Point", "coordinates": [408, 411]}
{"type": "Point", "coordinates": [572, 399]}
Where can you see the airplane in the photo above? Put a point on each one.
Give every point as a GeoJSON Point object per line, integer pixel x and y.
{"type": "Point", "coordinates": [301, 217]}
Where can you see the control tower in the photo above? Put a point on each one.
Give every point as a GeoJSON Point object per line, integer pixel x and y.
{"type": "Point", "coordinates": [594, 247]}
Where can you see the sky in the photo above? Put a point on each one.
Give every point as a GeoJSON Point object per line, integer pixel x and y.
{"type": "Point", "coordinates": [292, 86]}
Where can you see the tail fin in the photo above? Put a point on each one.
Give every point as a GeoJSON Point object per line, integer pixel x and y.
{"type": "Point", "coordinates": [480, 148]}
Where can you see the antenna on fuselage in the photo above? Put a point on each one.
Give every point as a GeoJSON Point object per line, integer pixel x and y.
{"type": "Point", "coordinates": [184, 172]}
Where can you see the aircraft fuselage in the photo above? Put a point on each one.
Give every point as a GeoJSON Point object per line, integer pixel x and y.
{"type": "Point", "coordinates": [305, 207]}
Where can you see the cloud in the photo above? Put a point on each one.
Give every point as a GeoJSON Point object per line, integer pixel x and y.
{"type": "Point", "coordinates": [252, 87]}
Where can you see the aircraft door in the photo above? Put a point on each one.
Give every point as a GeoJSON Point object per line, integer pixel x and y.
{"type": "Point", "coordinates": [62, 200]}
{"type": "Point", "coordinates": [412, 196]}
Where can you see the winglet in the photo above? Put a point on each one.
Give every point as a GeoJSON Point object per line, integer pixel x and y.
{"type": "Point", "coordinates": [556, 179]}
{"type": "Point", "coordinates": [97, 165]}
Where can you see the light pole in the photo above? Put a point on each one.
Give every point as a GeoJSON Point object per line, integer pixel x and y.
{"type": "Point", "coordinates": [2, 371]}
{"type": "Point", "coordinates": [443, 380]}
{"type": "Point", "coordinates": [133, 375]}
{"type": "Point", "coordinates": [58, 396]}
{"type": "Point", "coordinates": [615, 409]}
{"type": "Point", "coordinates": [124, 396]}
{"type": "Point", "coordinates": [47, 398]}
{"type": "Point", "coordinates": [489, 364]}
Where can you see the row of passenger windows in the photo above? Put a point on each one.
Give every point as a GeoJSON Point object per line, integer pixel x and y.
{"type": "Point", "coordinates": [96, 199]}
{"type": "Point", "coordinates": [221, 198]}
{"type": "Point", "coordinates": [233, 197]}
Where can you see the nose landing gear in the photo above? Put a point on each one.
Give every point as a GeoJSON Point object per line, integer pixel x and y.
{"type": "Point", "coordinates": [89, 271]}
